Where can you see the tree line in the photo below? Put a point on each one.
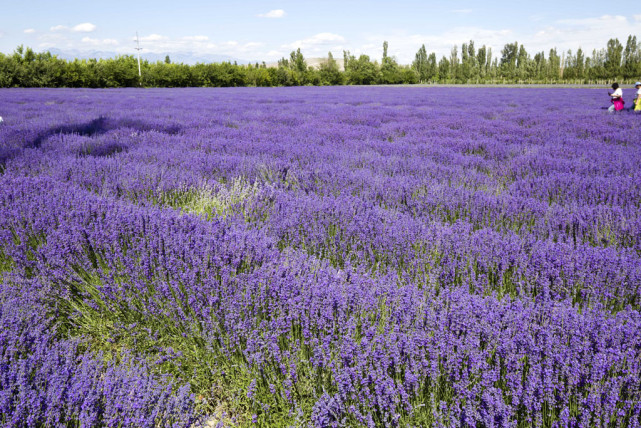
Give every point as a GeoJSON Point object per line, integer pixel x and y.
{"type": "Point", "coordinates": [467, 64]}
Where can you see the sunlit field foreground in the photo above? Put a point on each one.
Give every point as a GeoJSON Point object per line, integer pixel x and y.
{"type": "Point", "coordinates": [319, 257]}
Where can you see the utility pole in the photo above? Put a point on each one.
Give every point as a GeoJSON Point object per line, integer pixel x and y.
{"type": "Point", "coordinates": [138, 48]}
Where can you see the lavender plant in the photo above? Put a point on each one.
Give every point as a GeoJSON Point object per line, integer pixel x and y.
{"type": "Point", "coordinates": [319, 257]}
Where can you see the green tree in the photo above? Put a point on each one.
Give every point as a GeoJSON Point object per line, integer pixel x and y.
{"type": "Point", "coordinates": [361, 71]}
{"type": "Point", "coordinates": [631, 58]}
{"type": "Point", "coordinates": [613, 58]}
{"type": "Point", "coordinates": [540, 66]}
{"type": "Point", "coordinates": [390, 72]}
{"type": "Point", "coordinates": [420, 64]}
{"type": "Point", "coordinates": [465, 70]}
{"type": "Point", "coordinates": [579, 64]}
{"type": "Point", "coordinates": [569, 66]}
{"type": "Point", "coordinates": [408, 75]}
{"type": "Point", "coordinates": [346, 57]}
{"type": "Point", "coordinates": [481, 60]}
{"type": "Point", "coordinates": [432, 67]}
{"type": "Point", "coordinates": [469, 68]}
{"type": "Point", "coordinates": [522, 63]}
{"type": "Point", "coordinates": [596, 63]}
{"type": "Point", "coordinates": [8, 71]}
{"type": "Point", "coordinates": [471, 60]}
{"type": "Point", "coordinates": [444, 70]}
{"type": "Point", "coordinates": [553, 65]}
{"type": "Point", "coordinates": [297, 61]}
{"type": "Point", "coordinates": [329, 72]}
{"type": "Point", "coordinates": [454, 64]}
{"type": "Point", "coordinates": [509, 56]}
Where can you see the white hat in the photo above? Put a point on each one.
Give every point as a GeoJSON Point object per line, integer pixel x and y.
{"type": "Point", "coordinates": [637, 84]}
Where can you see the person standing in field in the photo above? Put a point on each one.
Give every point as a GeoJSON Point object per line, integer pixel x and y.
{"type": "Point", "coordinates": [616, 97]}
{"type": "Point", "coordinates": [637, 97]}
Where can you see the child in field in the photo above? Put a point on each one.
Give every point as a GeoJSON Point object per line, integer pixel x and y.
{"type": "Point", "coordinates": [637, 97]}
{"type": "Point", "coordinates": [616, 97]}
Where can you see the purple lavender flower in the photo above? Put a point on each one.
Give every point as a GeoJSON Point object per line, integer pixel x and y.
{"type": "Point", "coordinates": [319, 257]}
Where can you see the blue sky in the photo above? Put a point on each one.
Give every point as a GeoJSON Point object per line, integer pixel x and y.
{"type": "Point", "coordinates": [269, 29]}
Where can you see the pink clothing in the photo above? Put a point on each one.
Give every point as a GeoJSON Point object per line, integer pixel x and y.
{"type": "Point", "coordinates": [618, 104]}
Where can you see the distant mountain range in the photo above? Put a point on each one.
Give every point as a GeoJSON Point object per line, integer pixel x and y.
{"type": "Point", "coordinates": [184, 57]}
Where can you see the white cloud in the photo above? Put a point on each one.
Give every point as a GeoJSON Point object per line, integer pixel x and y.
{"type": "Point", "coordinates": [53, 39]}
{"type": "Point", "coordinates": [591, 22]}
{"type": "Point", "coordinates": [196, 38]}
{"type": "Point", "coordinates": [317, 40]}
{"type": "Point", "coordinates": [404, 46]}
{"type": "Point", "coordinates": [588, 33]}
{"type": "Point", "coordinates": [85, 27]}
{"type": "Point", "coordinates": [99, 42]}
{"type": "Point", "coordinates": [249, 47]}
{"type": "Point", "coordinates": [276, 13]}
{"type": "Point", "coordinates": [317, 45]}
{"type": "Point", "coordinates": [153, 38]}
{"type": "Point", "coordinates": [198, 45]}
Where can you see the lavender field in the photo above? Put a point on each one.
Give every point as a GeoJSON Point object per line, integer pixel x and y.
{"type": "Point", "coordinates": [319, 257]}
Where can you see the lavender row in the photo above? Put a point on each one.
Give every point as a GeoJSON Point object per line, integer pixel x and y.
{"type": "Point", "coordinates": [45, 381]}
{"type": "Point", "coordinates": [512, 171]}
{"type": "Point", "coordinates": [309, 341]}
{"type": "Point", "coordinates": [425, 249]}
{"type": "Point", "coordinates": [325, 257]}
{"type": "Point", "coordinates": [349, 232]}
